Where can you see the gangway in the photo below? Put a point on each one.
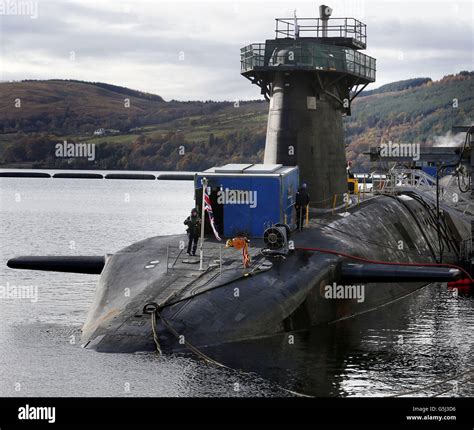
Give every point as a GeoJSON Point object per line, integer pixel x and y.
{"type": "Point", "coordinates": [400, 181]}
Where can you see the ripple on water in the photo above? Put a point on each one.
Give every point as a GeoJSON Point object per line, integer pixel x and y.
{"type": "Point", "coordinates": [411, 344]}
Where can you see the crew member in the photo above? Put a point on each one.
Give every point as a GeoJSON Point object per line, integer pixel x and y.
{"type": "Point", "coordinates": [350, 175]}
{"type": "Point", "coordinates": [194, 224]}
{"type": "Point", "coordinates": [301, 203]}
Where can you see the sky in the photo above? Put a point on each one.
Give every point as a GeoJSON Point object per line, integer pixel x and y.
{"type": "Point", "coordinates": [191, 50]}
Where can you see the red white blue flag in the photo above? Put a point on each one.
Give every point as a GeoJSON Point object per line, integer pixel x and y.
{"type": "Point", "coordinates": [208, 209]}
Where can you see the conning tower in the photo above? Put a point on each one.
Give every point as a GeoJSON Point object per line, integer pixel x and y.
{"type": "Point", "coordinates": [310, 73]}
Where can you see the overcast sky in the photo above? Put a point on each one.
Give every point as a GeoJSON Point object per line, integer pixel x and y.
{"type": "Point", "coordinates": [190, 50]}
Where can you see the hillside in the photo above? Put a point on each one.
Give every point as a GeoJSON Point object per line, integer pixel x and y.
{"type": "Point", "coordinates": [417, 114]}
{"type": "Point", "coordinates": [72, 107]}
{"type": "Point", "coordinates": [396, 86]}
{"type": "Point", "coordinates": [154, 134]}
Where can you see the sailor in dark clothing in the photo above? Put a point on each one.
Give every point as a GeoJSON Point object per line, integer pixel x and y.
{"type": "Point", "coordinates": [301, 202]}
{"type": "Point", "coordinates": [350, 175]}
{"type": "Point", "coordinates": [194, 225]}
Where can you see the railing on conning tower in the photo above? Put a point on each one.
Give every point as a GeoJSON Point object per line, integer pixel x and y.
{"type": "Point", "coordinates": [317, 27]}
{"type": "Point", "coordinates": [309, 55]}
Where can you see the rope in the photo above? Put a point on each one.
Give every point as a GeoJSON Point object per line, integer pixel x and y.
{"type": "Point", "coordinates": [196, 351]}
{"type": "Point", "coordinates": [449, 389]}
{"type": "Point", "coordinates": [388, 263]}
{"type": "Point", "coordinates": [169, 303]}
{"type": "Point", "coordinates": [434, 385]}
{"type": "Point", "coordinates": [422, 230]}
{"type": "Point", "coordinates": [449, 240]}
{"type": "Point", "coordinates": [201, 354]}
{"type": "Point", "coordinates": [373, 242]}
{"type": "Point", "coordinates": [210, 360]}
{"type": "Point", "coordinates": [155, 335]}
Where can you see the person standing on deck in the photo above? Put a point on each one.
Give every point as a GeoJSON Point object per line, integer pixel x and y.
{"type": "Point", "coordinates": [301, 203]}
{"type": "Point", "coordinates": [194, 225]}
{"type": "Point", "coordinates": [350, 175]}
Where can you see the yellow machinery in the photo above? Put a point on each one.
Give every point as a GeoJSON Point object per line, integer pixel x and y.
{"type": "Point", "coordinates": [353, 185]}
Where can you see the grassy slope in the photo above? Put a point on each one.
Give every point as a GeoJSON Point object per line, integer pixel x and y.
{"type": "Point", "coordinates": [54, 97]}
{"type": "Point", "coordinates": [72, 110]}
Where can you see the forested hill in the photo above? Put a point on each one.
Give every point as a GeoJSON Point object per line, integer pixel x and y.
{"type": "Point", "coordinates": [414, 111]}
{"type": "Point", "coordinates": [146, 132]}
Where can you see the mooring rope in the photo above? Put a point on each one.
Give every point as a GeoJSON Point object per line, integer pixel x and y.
{"type": "Point", "coordinates": [154, 313]}
{"type": "Point", "coordinates": [450, 389]}
{"type": "Point", "coordinates": [435, 384]}
{"type": "Point", "coordinates": [182, 339]}
{"type": "Point", "coordinates": [155, 335]}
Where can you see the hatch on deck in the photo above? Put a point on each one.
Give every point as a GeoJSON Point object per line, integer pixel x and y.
{"type": "Point", "coordinates": [247, 198]}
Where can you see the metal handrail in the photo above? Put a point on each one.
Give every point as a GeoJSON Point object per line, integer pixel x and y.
{"type": "Point", "coordinates": [316, 27]}
{"type": "Point", "coordinates": [309, 55]}
{"type": "Point", "coordinates": [399, 180]}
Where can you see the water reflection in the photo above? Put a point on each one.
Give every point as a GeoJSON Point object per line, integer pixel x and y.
{"type": "Point", "coordinates": [401, 347]}
{"type": "Point", "coordinates": [410, 344]}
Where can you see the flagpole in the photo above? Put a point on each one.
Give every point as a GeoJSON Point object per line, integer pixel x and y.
{"type": "Point", "coordinates": [203, 218]}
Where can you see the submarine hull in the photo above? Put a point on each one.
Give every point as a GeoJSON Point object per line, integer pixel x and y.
{"type": "Point", "coordinates": [277, 294]}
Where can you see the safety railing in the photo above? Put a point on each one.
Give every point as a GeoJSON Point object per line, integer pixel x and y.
{"type": "Point", "coordinates": [252, 56]}
{"type": "Point", "coordinates": [311, 55]}
{"type": "Point", "coordinates": [365, 184]}
{"type": "Point", "coordinates": [316, 27]}
{"type": "Point", "coordinates": [399, 180]}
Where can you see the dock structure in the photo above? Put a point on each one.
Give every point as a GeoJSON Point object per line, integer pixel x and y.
{"type": "Point", "coordinates": [98, 174]}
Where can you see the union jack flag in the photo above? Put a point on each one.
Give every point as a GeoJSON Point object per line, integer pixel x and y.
{"type": "Point", "coordinates": [208, 209]}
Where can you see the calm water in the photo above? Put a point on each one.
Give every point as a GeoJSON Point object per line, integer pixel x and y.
{"type": "Point", "coordinates": [402, 347]}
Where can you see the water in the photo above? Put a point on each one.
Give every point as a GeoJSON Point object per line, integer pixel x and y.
{"type": "Point", "coordinates": [411, 344]}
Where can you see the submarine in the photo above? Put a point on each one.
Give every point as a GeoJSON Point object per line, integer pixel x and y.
{"type": "Point", "coordinates": [257, 274]}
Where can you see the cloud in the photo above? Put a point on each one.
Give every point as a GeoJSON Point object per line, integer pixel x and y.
{"type": "Point", "coordinates": [190, 50]}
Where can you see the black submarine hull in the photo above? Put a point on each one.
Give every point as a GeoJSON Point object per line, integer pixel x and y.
{"type": "Point", "coordinates": [278, 294]}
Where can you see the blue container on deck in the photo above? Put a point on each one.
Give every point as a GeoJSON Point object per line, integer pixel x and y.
{"type": "Point", "coordinates": [248, 198]}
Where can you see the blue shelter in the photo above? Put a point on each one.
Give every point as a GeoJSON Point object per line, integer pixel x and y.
{"type": "Point", "coordinates": [248, 198]}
